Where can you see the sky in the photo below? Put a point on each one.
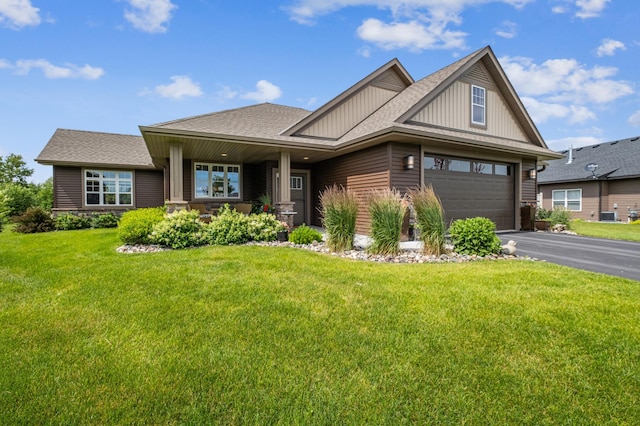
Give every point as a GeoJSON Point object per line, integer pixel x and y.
{"type": "Point", "coordinates": [113, 65]}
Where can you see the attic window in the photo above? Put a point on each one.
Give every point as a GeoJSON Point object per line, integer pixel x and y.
{"type": "Point", "coordinates": [478, 105]}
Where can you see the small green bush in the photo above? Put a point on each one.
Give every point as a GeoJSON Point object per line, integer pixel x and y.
{"type": "Point", "coordinates": [34, 220]}
{"type": "Point", "coordinates": [228, 227]}
{"type": "Point", "coordinates": [263, 227]}
{"type": "Point", "coordinates": [475, 236]}
{"type": "Point", "coordinates": [339, 212]}
{"type": "Point", "coordinates": [135, 226]}
{"type": "Point", "coordinates": [178, 230]}
{"type": "Point", "coordinates": [560, 215]}
{"type": "Point", "coordinates": [304, 235]}
{"type": "Point", "coordinates": [635, 222]}
{"type": "Point", "coordinates": [542, 213]}
{"type": "Point", "coordinates": [386, 209]}
{"type": "Point", "coordinates": [17, 198]}
{"type": "Point", "coordinates": [69, 222]}
{"type": "Point", "coordinates": [104, 220]}
{"type": "Point", "coordinates": [429, 219]}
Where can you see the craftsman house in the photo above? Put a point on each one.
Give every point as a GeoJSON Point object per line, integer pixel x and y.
{"type": "Point", "coordinates": [462, 129]}
{"type": "Point", "coordinates": [597, 182]}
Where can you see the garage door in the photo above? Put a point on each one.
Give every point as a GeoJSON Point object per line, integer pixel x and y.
{"type": "Point", "coordinates": [471, 188]}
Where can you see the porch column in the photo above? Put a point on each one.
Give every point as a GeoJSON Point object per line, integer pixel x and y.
{"type": "Point", "coordinates": [284, 206]}
{"type": "Point", "coordinates": [176, 196]}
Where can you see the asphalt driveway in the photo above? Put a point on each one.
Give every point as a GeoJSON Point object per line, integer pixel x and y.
{"type": "Point", "coordinates": [618, 258]}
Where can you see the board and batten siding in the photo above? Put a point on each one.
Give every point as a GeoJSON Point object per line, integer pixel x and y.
{"type": "Point", "coordinates": [343, 118]}
{"type": "Point", "coordinates": [360, 171]}
{"type": "Point", "coordinates": [149, 188]}
{"type": "Point", "coordinates": [67, 188]}
{"type": "Point", "coordinates": [452, 109]}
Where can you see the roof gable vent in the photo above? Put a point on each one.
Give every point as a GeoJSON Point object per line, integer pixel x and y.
{"type": "Point", "coordinates": [391, 81]}
{"type": "Point", "coordinates": [478, 73]}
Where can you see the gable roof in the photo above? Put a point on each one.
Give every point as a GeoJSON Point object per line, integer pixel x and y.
{"type": "Point", "coordinates": [84, 148]}
{"type": "Point", "coordinates": [616, 160]}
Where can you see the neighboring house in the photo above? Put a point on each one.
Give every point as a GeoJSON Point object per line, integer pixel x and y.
{"type": "Point", "coordinates": [597, 182]}
{"type": "Point", "coordinates": [462, 129]}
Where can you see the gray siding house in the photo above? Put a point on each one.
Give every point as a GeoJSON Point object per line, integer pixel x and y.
{"type": "Point", "coordinates": [597, 182]}
{"type": "Point", "coordinates": [462, 129]}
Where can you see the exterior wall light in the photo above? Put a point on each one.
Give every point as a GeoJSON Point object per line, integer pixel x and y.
{"type": "Point", "coordinates": [408, 162]}
{"type": "Point", "coordinates": [533, 173]}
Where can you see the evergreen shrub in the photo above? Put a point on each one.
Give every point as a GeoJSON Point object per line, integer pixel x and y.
{"type": "Point", "coordinates": [34, 220]}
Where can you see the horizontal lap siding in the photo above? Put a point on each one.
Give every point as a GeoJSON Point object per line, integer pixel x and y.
{"type": "Point", "coordinates": [67, 187]}
{"type": "Point", "coordinates": [149, 188]}
{"type": "Point", "coordinates": [590, 202]}
{"type": "Point", "coordinates": [360, 171]}
{"type": "Point", "coordinates": [529, 193]}
{"type": "Point", "coordinates": [626, 194]}
{"type": "Point", "coordinates": [402, 179]}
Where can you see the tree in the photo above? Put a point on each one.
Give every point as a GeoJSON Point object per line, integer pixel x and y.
{"type": "Point", "coordinates": [13, 169]}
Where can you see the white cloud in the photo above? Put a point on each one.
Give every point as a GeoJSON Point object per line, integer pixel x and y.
{"type": "Point", "coordinates": [24, 66]}
{"type": "Point", "coordinates": [590, 8]}
{"type": "Point", "coordinates": [149, 15]}
{"type": "Point", "coordinates": [18, 13]}
{"type": "Point", "coordinates": [634, 120]}
{"type": "Point", "coordinates": [565, 80]}
{"type": "Point", "coordinates": [414, 24]}
{"type": "Point", "coordinates": [265, 92]}
{"type": "Point", "coordinates": [558, 9]}
{"type": "Point", "coordinates": [507, 29]}
{"type": "Point", "coordinates": [181, 87]}
{"type": "Point", "coordinates": [226, 93]}
{"type": "Point", "coordinates": [609, 47]}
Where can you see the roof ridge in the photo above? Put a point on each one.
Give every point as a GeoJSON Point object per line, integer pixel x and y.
{"type": "Point", "coordinates": [98, 133]}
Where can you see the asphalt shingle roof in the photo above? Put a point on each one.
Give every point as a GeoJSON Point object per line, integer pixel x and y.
{"type": "Point", "coordinates": [615, 160]}
{"type": "Point", "coordinates": [77, 147]}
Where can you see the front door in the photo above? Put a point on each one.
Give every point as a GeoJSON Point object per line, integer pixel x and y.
{"type": "Point", "coordinates": [299, 184]}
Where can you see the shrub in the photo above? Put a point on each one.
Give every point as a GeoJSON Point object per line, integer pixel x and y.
{"type": "Point", "coordinates": [263, 227]}
{"type": "Point", "coordinates": [304, 235]}
{"type": "Point", "coordinates": [560, 215]}
{"type": "Point", "coordinates": [34, 220]}
{"type": "Point", "coordinates": [475, 236]}
{"type": "Point", "coordinates": [135, 226]}
{"type": "Point", "coordinates": [542, 213]}
{"type": "Point", "coordinates": [386, 209]}
{"type": "Point", "coordinates": [339, 212]}
{"type": "Point", "coordinates": [429, 219]}
{"type": "Point", "coordinates": [635, 222]}
{"type": "Point", "coordinates": [18, 198]}
{"type": "Point", "coordinates": [104, 220]}
{"type": "Point", "coordinates": [68, 222]}
{"type": "Point", "coordinates": [228, 227]}
{"type": "Point", "coordinates": [179, 229]}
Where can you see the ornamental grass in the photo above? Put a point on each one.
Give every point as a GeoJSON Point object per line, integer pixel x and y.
{"type": "Point", "coordinates": [429, 219]}
{"type": "Point", "coordinates": [339, 212]}
{"type": "Point", "coordinates": [387, 208]}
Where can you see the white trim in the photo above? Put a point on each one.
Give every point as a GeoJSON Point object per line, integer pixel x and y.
{"type": "Point", "coordinates": [482, 105]}
{"type": "Point", "coordinates": [565, 201]}
{"type": "Point", "coordinates": [209, 190]}
{"type": "Point", "coordinates": [100, 180]}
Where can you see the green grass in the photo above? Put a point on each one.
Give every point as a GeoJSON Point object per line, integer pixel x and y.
{"type": "Point", "coordinates": [613, 231]}
{"type": "Point", "coordinates": [264, 335]}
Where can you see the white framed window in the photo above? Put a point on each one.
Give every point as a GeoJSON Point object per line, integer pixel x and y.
{"type": "Point", "coordinates": [216, 180]}
{"type": "Point", "coordinates": [570, 199]}
{"type": "Point", "coordinates": [296, 183]}
{"type": "Point", "coordinates": [108, 188]}
{"type": "Point", "coordinates": [478, 105]}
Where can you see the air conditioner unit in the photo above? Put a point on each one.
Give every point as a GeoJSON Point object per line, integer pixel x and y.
{"type": "Point", "coordinates": [608, 216]}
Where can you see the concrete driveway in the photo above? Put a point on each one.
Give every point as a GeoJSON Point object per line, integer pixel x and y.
{"type": "Point", "coordinates": [618, 258]}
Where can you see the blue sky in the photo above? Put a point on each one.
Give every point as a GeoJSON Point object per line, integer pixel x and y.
{"type": "Point", "coordinates": [112, 65]}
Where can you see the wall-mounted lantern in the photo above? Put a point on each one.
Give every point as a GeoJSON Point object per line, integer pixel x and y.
{"type": "Point", "coordinates": [533, 173]}
{"type": "Point", "coordinates": [408, 162]}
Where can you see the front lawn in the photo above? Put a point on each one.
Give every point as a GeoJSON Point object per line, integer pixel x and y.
{"type": "Point", "coordinates": [264, 335]}
{"type": "Point", "coordinates": [613, 231]}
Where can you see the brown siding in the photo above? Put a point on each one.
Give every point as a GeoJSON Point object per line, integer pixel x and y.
{"type": "Point", "coordinates": [67, 187]}
{"type": "Point", "coordinates": [187, 180]}
{"type": "Point", "coordinates": [360, 171]}
{"type": "Point", "coordinates": [149, 188]}
{"type": "Point", "coordinates": [590, 202]}
{"type": "Point", "coordinates": [252, 182]}
{"type": "Point", "coordinates": [528, 185]}
{"type": "Point", "coordinates": [626, 194]}
{"type": "Point", "coordinates": [402, 179]}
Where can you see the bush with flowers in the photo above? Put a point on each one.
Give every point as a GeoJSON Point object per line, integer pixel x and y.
{"type": "Point", "coordinates": [264, 227]}
{"type": "Point", "coordinates": [179, 229]}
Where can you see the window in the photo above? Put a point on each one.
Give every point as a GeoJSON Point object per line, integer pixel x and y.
{"type": "Point", "coordinates": [482, 168]}
{"type": "Point", "coordinates": [570, 199]}
{"type": "Point", "coordinates": [478, 103]}
{"type": "Point", "coordinates": [217, 180]}
{"type": "Point", "coordinates": [108, 188]}
{"type": "Point", "coordinates": [502, 170]}
{"type": "Point", "coordinates": [296, 182]}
